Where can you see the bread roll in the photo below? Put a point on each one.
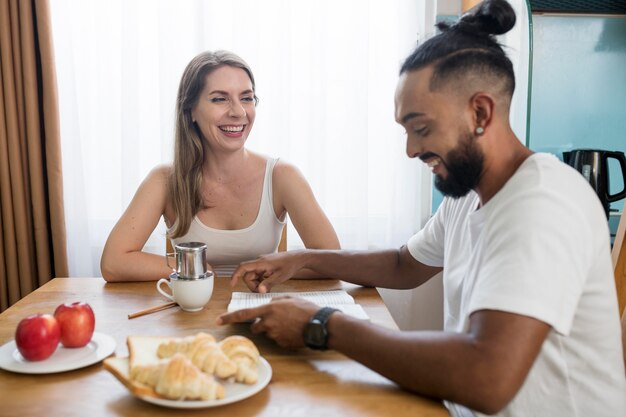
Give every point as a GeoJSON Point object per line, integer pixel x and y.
{"type": "Point", "coordinates": [244, 353]}
{"type": "Point", "coordinates": [203, 352]}
{"type": "Point", "coordinates": [177, 378]}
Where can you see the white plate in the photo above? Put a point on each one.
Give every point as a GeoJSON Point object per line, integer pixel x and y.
{"type": "Point", "coordinates": [233, 391]}
{"type": "Point", "coordinates": [62, 360]}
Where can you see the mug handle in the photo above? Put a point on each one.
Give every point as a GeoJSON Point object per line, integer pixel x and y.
{"type": "Point", "coordinates": [163, 293]}
{"type": "Point", "coordinates": [169, 255]}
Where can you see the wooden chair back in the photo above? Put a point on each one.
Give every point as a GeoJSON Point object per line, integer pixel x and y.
{"type": "Point", "coordinates": [618, 256]}
{"type": "Point", "coordinates": [282, 245]}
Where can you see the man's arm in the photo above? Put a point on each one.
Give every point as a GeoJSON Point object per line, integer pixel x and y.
{"type": "Point", "coordinates": [482, 369]}
{"type": "Point", "coordinates": [391, 268]}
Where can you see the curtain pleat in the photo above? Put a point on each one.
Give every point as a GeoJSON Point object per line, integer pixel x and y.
{"type": "Point", "coordinates": [49, 102]}
{"type": "Point", "coordinates": [31, 195]}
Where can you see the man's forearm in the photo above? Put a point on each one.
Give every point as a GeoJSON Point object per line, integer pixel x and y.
{"type": "Point", "coordinates": [383, 268]}
{"type": "Point", "coordinates": [481, 372]}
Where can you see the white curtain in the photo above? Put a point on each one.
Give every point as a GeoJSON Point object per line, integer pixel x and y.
{"type": "Point", "coordinates": [326, 72]}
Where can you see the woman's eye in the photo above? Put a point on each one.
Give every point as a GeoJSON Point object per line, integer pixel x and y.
{"type": "Point", "coordinates": [247, 99]}
{"type": "Point", "coordinates": [218, 100]}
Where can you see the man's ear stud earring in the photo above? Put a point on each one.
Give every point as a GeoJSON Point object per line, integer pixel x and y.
{"type": "Point", "coordinates": [479, 130]}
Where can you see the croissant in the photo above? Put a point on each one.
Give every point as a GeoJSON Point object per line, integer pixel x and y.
{"type": "Point", "coordinates": [243, 352]}
{"type": "Point", "coordinates": [178, 379]}
{"type": "Point", "coordinates": [203, 352]}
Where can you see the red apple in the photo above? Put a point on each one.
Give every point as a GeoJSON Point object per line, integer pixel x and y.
{"type": "Point", "coordinates": [77, 323]}
{"type": "Point", "coordinates": [37, 336]}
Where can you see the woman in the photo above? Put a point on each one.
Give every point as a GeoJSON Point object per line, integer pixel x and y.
{"type": "Point", "coordinates": [217, 191]}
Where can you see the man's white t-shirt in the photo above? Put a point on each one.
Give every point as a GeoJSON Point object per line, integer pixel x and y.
{"type": "Point", "coordinates": [539, 248]}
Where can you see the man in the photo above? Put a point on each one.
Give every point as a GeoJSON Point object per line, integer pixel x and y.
{"type": "Point", "coordinates": [531, 321]}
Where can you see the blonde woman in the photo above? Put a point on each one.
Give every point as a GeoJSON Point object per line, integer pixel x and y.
{"type": "Point", "coordinates": [217, 191]}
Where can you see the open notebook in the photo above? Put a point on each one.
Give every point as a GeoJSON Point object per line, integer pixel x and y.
{"type": "Point", "coordinates": [338, 299]}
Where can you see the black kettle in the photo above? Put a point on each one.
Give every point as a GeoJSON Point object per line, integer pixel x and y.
{"type": "Point", "coordinates": [592, 163]}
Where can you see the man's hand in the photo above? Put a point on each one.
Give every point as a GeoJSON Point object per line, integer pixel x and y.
{"type": "Point", "coordinates": [263, 273]}
{"type": "Point", "coordinates": [282, 320]}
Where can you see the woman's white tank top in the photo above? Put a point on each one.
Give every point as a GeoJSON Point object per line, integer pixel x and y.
{"type": "Point", "coordinates": [227, 248]}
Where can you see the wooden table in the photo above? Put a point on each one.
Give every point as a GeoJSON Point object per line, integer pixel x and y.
{"type": "Point", "coordinates": [304, 383]}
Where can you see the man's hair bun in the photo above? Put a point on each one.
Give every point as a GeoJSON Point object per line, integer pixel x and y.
{"type": "Point", "coordinates": [490, 17]}
{"type": "Point", "coordinates": [470, 45]}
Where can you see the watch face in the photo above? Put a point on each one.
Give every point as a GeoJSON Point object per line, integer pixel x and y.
{"type": "Point", "coordinates": [315, 335]}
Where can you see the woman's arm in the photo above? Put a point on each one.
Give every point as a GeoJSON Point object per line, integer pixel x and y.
{"type": "Point", "coordinates": [122, 257]}
{"type": "Point", "coordinates": [293, 193]}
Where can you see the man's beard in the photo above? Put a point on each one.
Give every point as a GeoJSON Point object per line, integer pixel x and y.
{"type": "Point", "coordinates": [464, 165]}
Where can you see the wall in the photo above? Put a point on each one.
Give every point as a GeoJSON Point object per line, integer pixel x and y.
{"type": "Point", "coordinates": [579, 87]}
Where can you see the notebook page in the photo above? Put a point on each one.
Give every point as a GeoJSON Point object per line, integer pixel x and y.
{"type": "Point", "coordinates": [340, 300]}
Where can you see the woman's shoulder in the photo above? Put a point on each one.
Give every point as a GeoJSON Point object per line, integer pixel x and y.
{"type": "Point", "coordinates": [284, 168]}
{"type": "Point", "coordinates": [157, 181]}
{"type": "Point", "coordinates": [287, 178]}
{"type": "Point", "coordinates": [152, 192]}
{"type": "Point", "coordinates": [162, 169]}
{"type": "Point", "coordinates": [281, 171]}
{"type": "Point", "coordinates": [160, 173]}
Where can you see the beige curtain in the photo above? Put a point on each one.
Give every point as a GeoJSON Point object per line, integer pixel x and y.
{"type": "Point", "coordinates": [32, 225]}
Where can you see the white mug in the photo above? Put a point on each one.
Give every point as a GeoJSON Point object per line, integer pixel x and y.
{"type": "Point", "coordinates": [190, 294]}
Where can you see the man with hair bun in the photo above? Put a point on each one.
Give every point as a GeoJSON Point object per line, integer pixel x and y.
{"type": "Point", "coordinates": [531, 318]}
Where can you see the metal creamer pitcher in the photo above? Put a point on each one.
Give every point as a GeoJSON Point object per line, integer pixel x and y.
{"type": "Point", "coordinates": [190, 260]}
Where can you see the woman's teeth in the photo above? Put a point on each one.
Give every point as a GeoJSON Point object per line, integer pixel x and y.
{"type": "Point", "coordinates": [234, 129]}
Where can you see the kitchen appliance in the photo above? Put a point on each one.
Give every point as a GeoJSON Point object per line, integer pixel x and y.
{"type": "Point", "coordinates": [593, 165]}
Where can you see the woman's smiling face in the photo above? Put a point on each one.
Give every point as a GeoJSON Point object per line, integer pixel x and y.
{"type": "Point", "coordinates": [225, 110]}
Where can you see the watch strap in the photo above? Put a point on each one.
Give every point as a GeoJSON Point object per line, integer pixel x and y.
{"type": "Point", "coordinates": [319, 320]}
{"type": "Point", "coordinates": [323, 314]}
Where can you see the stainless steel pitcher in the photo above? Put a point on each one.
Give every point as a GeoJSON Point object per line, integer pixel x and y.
{"type": "Point", "coordinates": [190, 260]}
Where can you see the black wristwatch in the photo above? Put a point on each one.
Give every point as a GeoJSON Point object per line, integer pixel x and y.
{"type": "Point", "coordinates": [315, 333]}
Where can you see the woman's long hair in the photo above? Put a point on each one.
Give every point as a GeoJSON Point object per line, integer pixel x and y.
{"type": "Point", "coordinates": [185, 181]}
